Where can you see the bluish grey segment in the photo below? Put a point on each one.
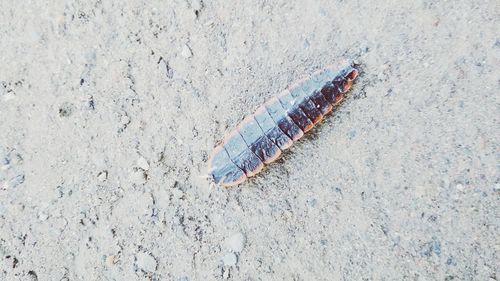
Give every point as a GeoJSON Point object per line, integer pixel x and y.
{"type": "Point", "coordinates": [291, 105]}
{"type": "Point", "coordinates": [265, 121]}
{"type": "Point", "coordinates": [265, 149]}
{"type": "Point", "coordinates": [257, 141]}
{"type": "Point", "coordinates": [271, 129]}
{"type": "Point", "coordinates": [310, 110]}
{"type": "Point", "coordinates": [288, 101]}
{"type": "Point", "coordinates": [315, 83]}
{"type": "Point", "coordinates": [241, 155]}
{"type": "Point", "coordinates": [248, 162]}
{"type": "Point", "coordinates": [235, 145]}
{"type": "Point", "coordinates": [320, 79]}
{"type": "Point", "coordinates": [284, 122]}
{"type": "Point", "coordinates": [223, 170]}
{"type": "Point", "coordinates": [321, 103]}
{"type": "Point", "coordinates": [251, 132]}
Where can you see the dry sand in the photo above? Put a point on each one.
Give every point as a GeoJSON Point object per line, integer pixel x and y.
{"type": "Point", "coordinates": [109, 110]}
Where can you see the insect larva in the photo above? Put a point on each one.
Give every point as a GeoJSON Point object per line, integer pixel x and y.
{"type": "Point", "coordinates": [261, 137]}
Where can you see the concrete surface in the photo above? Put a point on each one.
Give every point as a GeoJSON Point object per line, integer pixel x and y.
{"type": "Point", "coordinates": [109, 110]}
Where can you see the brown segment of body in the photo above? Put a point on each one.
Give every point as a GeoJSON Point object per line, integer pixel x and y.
{"type": "Point", "coordinates": [261, 137]}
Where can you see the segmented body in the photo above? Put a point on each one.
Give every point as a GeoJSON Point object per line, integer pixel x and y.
{"type": "Point", "coordinates": [261, 137]}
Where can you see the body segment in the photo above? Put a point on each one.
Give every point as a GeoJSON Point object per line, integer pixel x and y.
{"type": "Point", "coordinates": [262, 137]}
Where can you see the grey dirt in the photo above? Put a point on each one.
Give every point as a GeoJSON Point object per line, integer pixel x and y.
{"type": "Point", "coordinates": [109, 109]}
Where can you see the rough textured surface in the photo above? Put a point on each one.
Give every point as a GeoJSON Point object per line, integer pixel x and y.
{"type": "Point", "coordinates": [108, 110]}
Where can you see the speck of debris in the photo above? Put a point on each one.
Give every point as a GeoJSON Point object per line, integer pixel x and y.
{"type": "Point", "coordinates": [66, 109]}
{"type": "Point", "coordinates": [17, 159]}
{"type": "Point", "coordinates": [4, 164]}
{"type": "Point", "coordinates": [110, 260]}
{"type": "Point", "coordinates": [32, 275]}
{"type": "Point", "coordinates": [143, 163]}
{"type": "Point", "coordinates": [102, 176]}
{"type": "Point", "coordinates": [177, 194]}
{"type": "Point", "coordinates": [186, 51]}
{"type": "Point", "coordinates": [43, 216]}
{"type": "Point", "coordinates": [17, 180]}
{"type": "Point", "coordinates": [125, 119]}
{"type": "Point", "coordinates": [433, 247]}
{"type": "Point", "coordinates": [91, 103]}
{"type": "Point", "coordinates": [197, 5]}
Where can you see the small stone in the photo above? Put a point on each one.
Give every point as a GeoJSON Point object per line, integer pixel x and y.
{"type": "Point", "coordinates": [4, 164]}
{"type": "Point", "coordinates": [496, 188]}
{"type": "Point", "coordinates": [138, 176]}
{"type": "Point", "coordinates": [177, 194]}
{"type": "Point", "coordinates": [124, 120]}
{"type": "Point", "coordinates": [143, 163]}
{"type": "Point", "coordinates": [32, 276]}
{"type": "Point", "coordinates": [226, 273]}
{"type": "Point", "coordinates": [186, 51]}
{"type": "Point", "coordinates": [17, 180]}
{"type": "Point", "coordinates": [229, 259]}
{"type": "Point", "coordinates": [10, 95]}
{"type": "Point", "coordinates": [460, 187]}
{"type": "Point", "coordinates": [43, 216]}
{"type": "Point", "coordinates": [146, 262]}
{"type": "Point", "coordinates": [197, 5]}
{"type": "Point", "coordinates": [110, 260]}
{"type": "Point", "coordinates": [102, 176]}
{"type": "Point", "coordinates": [17, 159]}
{"type": "Point", "coordinates": [236, 242]}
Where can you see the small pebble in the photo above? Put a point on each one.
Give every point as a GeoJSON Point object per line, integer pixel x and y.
{"type": "Point", "coordinates": [197, 5]}
{"type": "Point", "coordinates": [236, 242]}
{"type": "Point", "coordinates": [4, 164]}
{"type": "Point", "coordinates": [146, 262]}
{"type": "Point", "coordinates": [9, 96]}
{"type": "Point", "coordinates": [226, 273]}
{"type": "Point", "coordinates": [496, 188]}
{"type": "Point", "coordinates": [17, 159]}
{"type": "Point", "coordinates": [125, 119]}
{"type": "Point", "coordinates": [138, 176]}
{"type": "Point", "coordinates": [186, 51]}
{"type": "Point", "coordinates": [43, 216]}
{"type": "Point", "coordinates": [102, 176]}
{"type": "Point", "coordinates": [177, 194]}
{"type": "Point", "coordinates": [143, 163]}
{"type": "Point", "coordinates": [460, 187]}
{"type": "Point", "coordinates": [110, 260]}
{"type": "Point", "coordinates": [17, 180]}
{"type": "Point", "coordinates": [32, 276]}
{"type": "Point", "coordinates": [229, 259]}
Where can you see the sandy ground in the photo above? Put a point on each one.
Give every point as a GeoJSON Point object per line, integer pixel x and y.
{"type": "Point", "coordinates": [109, 110]}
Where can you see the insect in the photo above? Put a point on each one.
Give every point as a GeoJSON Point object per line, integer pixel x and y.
{"type": "Point", "coordinates": [261, 137]}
